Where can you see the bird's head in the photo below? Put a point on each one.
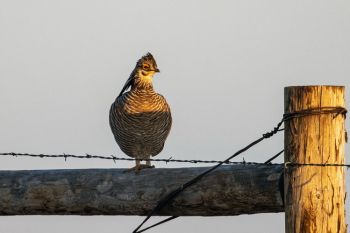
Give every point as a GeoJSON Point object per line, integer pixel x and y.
{"type": "Point", "coordinates": [146, 67]}
{"type": "Point", "coordinates": [144, 70]}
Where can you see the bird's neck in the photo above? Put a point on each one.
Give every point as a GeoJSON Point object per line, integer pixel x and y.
{"type": "Point", "coordinates": [142, 84]}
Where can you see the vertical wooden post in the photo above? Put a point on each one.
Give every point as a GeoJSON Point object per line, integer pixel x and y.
{"type": "Point", "coordinates": [314, 196]}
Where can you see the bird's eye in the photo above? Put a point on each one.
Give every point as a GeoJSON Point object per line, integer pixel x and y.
{"type": "Point", "coordinates": [145, 66]}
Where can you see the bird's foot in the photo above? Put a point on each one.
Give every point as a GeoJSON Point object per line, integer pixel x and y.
{"type": "Point", "coordinates": [138, 168]}
{"type": "Point", "coordinates": [143, 166]}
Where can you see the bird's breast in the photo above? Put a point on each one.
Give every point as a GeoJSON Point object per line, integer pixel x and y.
{"type": "Point", "coordinates": [139, 103]}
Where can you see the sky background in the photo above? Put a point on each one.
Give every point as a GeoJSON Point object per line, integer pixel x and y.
{"type": "Point", "coordinates": [223, 65]}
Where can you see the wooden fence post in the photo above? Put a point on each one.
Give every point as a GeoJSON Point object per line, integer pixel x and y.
{"type": "Point", "coordinates": [314, 195]}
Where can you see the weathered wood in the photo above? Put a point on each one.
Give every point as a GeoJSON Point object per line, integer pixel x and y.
{"type": "Point", "coordinates": [230, 190]}
{"type": "Point", "coordinates": [314, 196]}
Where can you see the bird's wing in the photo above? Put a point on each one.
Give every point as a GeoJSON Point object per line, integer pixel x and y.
{"type": "Point", "coordinates": [128, 83]}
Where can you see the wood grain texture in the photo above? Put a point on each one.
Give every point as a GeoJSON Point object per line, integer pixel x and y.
{"type": "Point", "coordinates": [229, 190]}
{"type": "Point", "coordinates": [314, 196]}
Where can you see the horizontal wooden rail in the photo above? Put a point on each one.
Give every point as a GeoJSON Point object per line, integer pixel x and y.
{"type": "Point", "coordinates": [229, 190]}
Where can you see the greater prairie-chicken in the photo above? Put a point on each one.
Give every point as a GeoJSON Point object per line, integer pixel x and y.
{"type": "Point", "coordinates": [140, 119]}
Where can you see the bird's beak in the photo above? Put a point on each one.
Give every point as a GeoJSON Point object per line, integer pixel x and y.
{"type": "Point", "coordinates": [157, 70]}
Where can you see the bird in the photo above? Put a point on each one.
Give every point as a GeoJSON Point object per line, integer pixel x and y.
{"type": "Point", "coordinates": [140, 119]}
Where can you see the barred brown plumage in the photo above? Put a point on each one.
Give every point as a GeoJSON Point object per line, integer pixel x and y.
{"type": "Point", "coordinates": [140, 119]}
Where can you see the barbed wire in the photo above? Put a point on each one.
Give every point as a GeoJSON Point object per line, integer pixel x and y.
{"type": "Point", "coordinates": [114, 158]}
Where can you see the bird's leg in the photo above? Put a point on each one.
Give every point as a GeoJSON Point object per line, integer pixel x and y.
{"type": "Point", "coordinates": [137, 167]}
{"type": "Point", "coordinates": [148, 164]}
{"type": "Point", "coordinates": [140, 166]}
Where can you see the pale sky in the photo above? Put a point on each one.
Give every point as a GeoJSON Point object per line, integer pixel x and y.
{"type": "Point", "coordinates": [223, 65]}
